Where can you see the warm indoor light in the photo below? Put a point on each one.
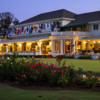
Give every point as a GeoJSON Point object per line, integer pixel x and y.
{"type": "Point", "coordinates": [20, 45]}
{"type": "Point", "coordinates": [39, 44]}
{"type": "Point", "coordinates": [9, 44]}
{"type": "Point", "coordinates": [99, 41]}
{"type": "Point", "coordinates": [29, 44]}
{"type": "Point", "coordinates": [1, 44]}
{"type": "Point", "coordinates": [50, 43]}
{"type": "Point", "coordinates": [85, 42]}
{"type": "Point", "coordinates": [94, 42]}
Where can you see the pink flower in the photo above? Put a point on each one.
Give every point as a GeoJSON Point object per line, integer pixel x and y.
{"type": "Point", "coordinates": [54, 71]}
{"type": "Point", "coordinates": [16, 78]}
{"type": "Point", "coordinates": [23, 72]}
{"type": "Point", "coordinates": [61, 71]}
{"type": "Point", "coordinates": [57, 68]}
{"type": "Point", "coordinates": [58, 71]}
{"type": "Point", "coordinates": [23, 76]}
{"type": "Point", "coordinates": [51, 74]}
{"type": "Point", "coordinates": [65, 67]}
{"type": "Point", "coordinates": [37, 70]}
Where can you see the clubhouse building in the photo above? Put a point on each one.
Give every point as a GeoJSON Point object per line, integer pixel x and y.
{"type": "Point", "coordinates": [54, 33]}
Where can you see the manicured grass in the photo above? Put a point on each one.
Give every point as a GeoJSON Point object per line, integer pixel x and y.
{"type": "Point", "coordinates": [10, 93]}
{"type": "Point", "coordinates": [91, 65]}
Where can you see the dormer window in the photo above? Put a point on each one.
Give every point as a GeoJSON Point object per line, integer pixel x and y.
{"type": "Point", "coordinates": [95, 27]}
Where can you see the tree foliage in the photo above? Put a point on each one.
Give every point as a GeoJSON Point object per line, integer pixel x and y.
{"type": "Point", "coordinates": [6, 19]}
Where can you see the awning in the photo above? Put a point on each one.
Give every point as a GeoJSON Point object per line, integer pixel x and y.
{"type": "Point", "coordinates": [72, 25]}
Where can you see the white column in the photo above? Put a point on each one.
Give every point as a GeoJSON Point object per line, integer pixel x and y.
{"type": "Point", "coordinates": [76, 46]}
{"type": "Point", "coordinates": [61, 47]}
{"type": "Point", "coordinates": [53, 46]}
{"type": "Point", "coordinates": [73, 46]}
{"type": "Point", "coordinates": [64, 45]}
{"type": "Point", "coordinates": [6, 49]}
{"type": "Point", "coordinates": [40, 51]}
{"type": "Point", "coordinates": [70, 45]}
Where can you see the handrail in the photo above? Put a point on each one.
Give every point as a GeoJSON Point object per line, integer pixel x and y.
{"type": "Point", "coordinates": [68, 33]}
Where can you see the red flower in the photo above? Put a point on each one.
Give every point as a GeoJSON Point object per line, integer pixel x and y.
{"type": "Point", "coordinates": [59, 59]}
{"type": "Point", "coordinates": [27, 62]}
{"type": "Point", "coordinates": [31, 69]}
{"type": "Point", "coordinates": [33, 56]}
{"type": "Point", "coordinates": [30, 73]}
{"type": "Point", "coordinates": [62, 71]}
{"type": "Point", "coordinates": [37, 63]}
{"type": "Point", "coordinates": [96, 75]}
{"type": "Point", "coordinates": [23, 72]}
{"type": "Point", "coordinates": [89, 71]}
{"type": "Point", "coordinates": [28, 65]}
{"type": "Point", "coordinates": [42, 73]}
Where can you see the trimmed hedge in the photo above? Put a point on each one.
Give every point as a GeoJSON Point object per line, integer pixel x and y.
{"type": "Point", "coordinates": [85, 57]}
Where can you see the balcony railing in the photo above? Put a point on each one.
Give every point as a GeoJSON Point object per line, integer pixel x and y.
{"type": "Point", "coordinates": [27, 34]}
{"type": "Point", "coordinates": [68, 33]}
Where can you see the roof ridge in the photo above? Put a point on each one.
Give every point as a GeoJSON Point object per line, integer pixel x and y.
{"type": "Point", "coordinates": [89, 12]}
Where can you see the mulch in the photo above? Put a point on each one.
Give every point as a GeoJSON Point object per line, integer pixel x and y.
{"type": "Point", "coordinates": [45, 86]}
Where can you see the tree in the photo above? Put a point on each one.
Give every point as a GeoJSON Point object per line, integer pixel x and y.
{"type": "Point", "coordinates": [6, 19]}
{"type": "Point", "coordinates": [16, 21]}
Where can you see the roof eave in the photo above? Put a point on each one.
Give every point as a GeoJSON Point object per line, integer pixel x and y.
{"type": "Point", "coordinates": [37, 22]}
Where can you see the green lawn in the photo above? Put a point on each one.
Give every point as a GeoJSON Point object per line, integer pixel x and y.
{"type": "Point", "coordinates": [93, 65]}
{"type": "Point", "coordinates": [10, 93]}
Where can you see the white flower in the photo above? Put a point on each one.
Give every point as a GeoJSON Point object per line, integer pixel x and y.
{"type": "Point", "coordinates": [8, 58]}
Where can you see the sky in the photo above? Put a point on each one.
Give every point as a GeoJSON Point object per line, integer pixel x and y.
{"type": "Point", "coordinates": [24, 9]}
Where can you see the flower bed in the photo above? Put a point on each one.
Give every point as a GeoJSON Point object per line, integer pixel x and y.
{"type": "Point", "coordinates": [35, 71]}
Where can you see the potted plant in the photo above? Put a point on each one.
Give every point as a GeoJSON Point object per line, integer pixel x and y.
{"type": "Point", "coordinates": [94, 57]}
{"type": "Point", "coordinates": [50, 52]}
{"type": "Point", "coordinates": [76, 56]}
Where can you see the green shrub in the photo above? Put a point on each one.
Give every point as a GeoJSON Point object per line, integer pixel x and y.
{"type": "Point", "coordinates": [41, 56]}
{"type": "Point", "coordinates": [85, 57]}
{"type": "Point", "coordinates": [90, 81]}
{"type": "Point", "coordinates": [70, 56]}
{"type": "Point", "coordinates": [63, 56]}
{"type": "Point", "coordinates": [28, 71]}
